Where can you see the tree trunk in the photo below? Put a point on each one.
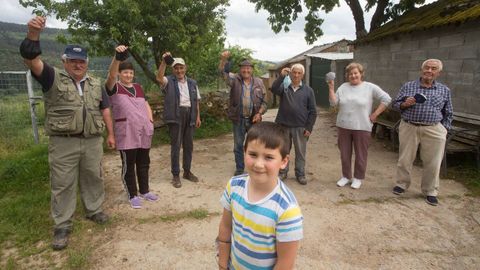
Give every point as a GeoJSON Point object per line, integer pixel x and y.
{"type": "Point", "coordinates": [144, 65]}
{"type": "Point", "coordinates": [357, 12]}
{"type": "Point", "coordinates": [379, 15]}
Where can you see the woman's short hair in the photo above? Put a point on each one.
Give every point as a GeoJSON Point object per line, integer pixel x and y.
{"type": "Point", "coordinates": [272, 135]}
{"type": "Point", "coordinates": [125, 65]}
{"type": "Point", "coordinates": [353, 66]}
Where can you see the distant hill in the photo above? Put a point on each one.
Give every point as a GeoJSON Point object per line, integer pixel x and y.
{"type": "Point", "coordinates": [12, 35]}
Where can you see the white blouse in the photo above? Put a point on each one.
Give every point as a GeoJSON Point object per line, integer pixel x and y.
{"type": "Point", "coordinates": [356, 104]}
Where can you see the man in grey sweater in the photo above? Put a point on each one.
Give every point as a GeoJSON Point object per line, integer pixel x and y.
{"type": "Point", "coordinates": [297, 112]}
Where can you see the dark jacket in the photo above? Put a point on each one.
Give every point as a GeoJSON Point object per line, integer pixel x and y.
{"type": "Point", "coordinates": [296, 109]}
{"type": "Point", "coordinates": [171, 107]}
{"type": "Point", "coordinates": [235, 105]}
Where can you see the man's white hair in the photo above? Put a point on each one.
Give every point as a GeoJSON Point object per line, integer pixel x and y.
{"type": "Point", "coordinates": [298, 66]}
{"type": "Point", "coordinates": [440, 65]}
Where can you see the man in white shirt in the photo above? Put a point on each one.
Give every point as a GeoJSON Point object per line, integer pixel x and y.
{"type": "Point", "coordinates": [181, 112]}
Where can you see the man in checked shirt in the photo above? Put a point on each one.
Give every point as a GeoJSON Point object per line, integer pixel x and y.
{"type": "Point", "coordinates": [425, 121]}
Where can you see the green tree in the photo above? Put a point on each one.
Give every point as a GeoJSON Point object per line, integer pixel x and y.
{"type": "Point", "coordinates": [237, 55]}
{"type": "Point", "coordinates": [192, 29]}
{"type": "Point", "coordinates": [284, 12]}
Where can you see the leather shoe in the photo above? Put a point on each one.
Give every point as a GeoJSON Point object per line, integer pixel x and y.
{"type": "Point", "coordinates": [176, 181]}
{"type": "Point", "coordinates": [302, 180]}
{"type": "Point", "coordinates": [99, 218]}
{"type": "Point", "coordinates": [190, 176]}
{"type": "Point", "coordinates": [60, 238]}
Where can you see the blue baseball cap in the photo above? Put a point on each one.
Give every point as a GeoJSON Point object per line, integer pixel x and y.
{"type": "Point", "coordinates": [75, 52]}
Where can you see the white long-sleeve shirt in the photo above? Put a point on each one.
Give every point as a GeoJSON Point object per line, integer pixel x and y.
{"type": "Point", "coordinates": [356, 104]}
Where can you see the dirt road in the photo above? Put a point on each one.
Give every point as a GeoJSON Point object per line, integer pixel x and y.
{"type": "Point", "coordinates": [344, 228]}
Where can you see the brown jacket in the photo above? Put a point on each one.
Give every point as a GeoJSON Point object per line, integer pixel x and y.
{"type": "Point", "coordinates": [235, 105]}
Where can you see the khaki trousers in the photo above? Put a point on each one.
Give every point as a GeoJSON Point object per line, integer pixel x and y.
{"type": "Point", "coordinates": [432, 140]}
{"type": "Point", "coordinates": [75, 160]}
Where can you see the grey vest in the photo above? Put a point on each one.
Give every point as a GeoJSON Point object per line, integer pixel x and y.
{"type": "Point", "coordinates": [68, 113]}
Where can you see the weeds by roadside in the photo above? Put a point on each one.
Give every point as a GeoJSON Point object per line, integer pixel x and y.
{"type": "Point", "coordinates": [192, 214]}
{"type": "Point", "coordinates": [467, 174]}
{"type": "Point", "coordinates": [25, 221]}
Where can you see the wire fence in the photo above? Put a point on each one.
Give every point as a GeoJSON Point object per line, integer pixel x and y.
{"type": "Point", "coordinates": [22, 109]}
{"type": "Point", "coordinates": [20, 101]}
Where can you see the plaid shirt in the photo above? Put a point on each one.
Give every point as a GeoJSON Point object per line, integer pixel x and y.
{"type": "Point", "coordinates": [437, 108]}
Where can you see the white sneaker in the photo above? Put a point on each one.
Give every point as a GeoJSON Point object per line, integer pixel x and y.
{"type": "Point", "coordinates": [343, 181]}
{"type": "Point", "coordinates": [356, 183]}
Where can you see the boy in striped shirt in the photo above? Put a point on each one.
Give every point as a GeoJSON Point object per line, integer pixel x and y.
{"type": "Point", "coordinates": [261, 225]}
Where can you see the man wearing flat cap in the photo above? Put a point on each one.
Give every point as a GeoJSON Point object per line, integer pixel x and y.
{"type": "Point", "coordinates": [246, 106]}
{"type": "Point", "coordinates": [181, 112]}
{"type": "Point", "coordinates": [77, 112]}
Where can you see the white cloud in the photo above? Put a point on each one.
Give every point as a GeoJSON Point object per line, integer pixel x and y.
{"type": "Point", "coordinates": [13, 12]}
{"type": "Point", "coordinates": [249, 29]}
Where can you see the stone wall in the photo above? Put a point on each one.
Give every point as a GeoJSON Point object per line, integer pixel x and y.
{"type": "Point", "coordinates": [397, 59]}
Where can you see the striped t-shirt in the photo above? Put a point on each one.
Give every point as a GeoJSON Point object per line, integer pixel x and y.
{"type": "Point", "coordinates": [256, 227]}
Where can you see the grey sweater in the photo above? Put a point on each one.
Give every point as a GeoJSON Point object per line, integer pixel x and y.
{"type": "Point", "coordinates": [297, 108]}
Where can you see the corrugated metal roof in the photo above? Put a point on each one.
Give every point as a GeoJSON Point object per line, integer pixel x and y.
{"type": "Point", "coordinates": [442, 12]}
{"type": "Point", "coordinates": [332, 56]}
{"type": "Point", "coordinates": [301, 56]}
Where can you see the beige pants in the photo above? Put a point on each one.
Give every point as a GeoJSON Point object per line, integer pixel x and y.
{"type": "Point", "coordinates": [432, 140]}
{"type": "Point", "coordinates": [75, 160]}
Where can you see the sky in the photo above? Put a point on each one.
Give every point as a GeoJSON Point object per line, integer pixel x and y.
{"type": "Point", "coordinates": [245, 28]}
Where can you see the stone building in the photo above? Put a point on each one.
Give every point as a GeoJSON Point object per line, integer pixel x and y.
{"type": "Point", "coordinates": [448, 30]}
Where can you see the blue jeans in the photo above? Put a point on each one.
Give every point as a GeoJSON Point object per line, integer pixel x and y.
{"type": "Point", "coordinates": [239, 131]}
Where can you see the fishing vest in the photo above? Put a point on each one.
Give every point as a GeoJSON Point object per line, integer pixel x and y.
{"type": "Point", "coordinates": [68, 113]}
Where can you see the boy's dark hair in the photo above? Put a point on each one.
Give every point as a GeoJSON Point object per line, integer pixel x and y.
{"type": "Point", "coordinates": [125, 65]}
{"type": "Point", "coordinates": [272, 135]}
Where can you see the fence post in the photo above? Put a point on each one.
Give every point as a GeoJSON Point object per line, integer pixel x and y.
{"type": "Point", "coordinates": [32, 101]}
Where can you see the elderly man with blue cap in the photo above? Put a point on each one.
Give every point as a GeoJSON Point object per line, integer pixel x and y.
{"type": "Point", "coordinates": [77, 112]}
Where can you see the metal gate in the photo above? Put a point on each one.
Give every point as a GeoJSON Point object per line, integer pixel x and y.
{"type": "Point", "coordinates": [318, 68]}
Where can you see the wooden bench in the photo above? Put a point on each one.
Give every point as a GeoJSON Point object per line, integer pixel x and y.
{"type": "Point", "coordinates": [388, 121]}
{"type": "Point", "coordinates": [463, 137]}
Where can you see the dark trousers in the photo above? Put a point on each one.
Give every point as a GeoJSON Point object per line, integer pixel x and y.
{"type": "Point", "coordinates": [240, 130]}
{"type": "Point", "coordinates": [181, 134]}
{"type": "Point", "coordinates": [135, 164]}
{"type": "Point", "coordinates": [360, 140]}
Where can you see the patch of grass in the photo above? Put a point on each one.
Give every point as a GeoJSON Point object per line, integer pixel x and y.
{"type": "Point", "coordinates": [211, 127]}
{"type": "Point", "coordinates": [78, 258]}
{"type": "Point", "coordinates": [160, 136]}
{"type": "Point", "coordinates": [25, 186]}
{"type": "Point", "coordinates": [15, 124]}
{"type": "Point", "coordinates": [467, 174]}
{"type": "Point", "coordinates": [347, 201]}
{"type": "Point", "coordinates": [11, 264]}
{"type": "Point", "coordinates": [198, 214]}
{"type": "Point", "coordinates": [25, 220]}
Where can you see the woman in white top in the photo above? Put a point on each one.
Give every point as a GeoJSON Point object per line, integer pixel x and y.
{"type": "Point", "coordinates": [355, 119]}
